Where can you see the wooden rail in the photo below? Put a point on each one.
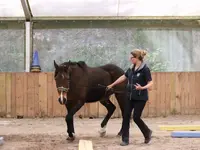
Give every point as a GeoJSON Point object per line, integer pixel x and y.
{"type": "Point", "coordinates": [34, 95]}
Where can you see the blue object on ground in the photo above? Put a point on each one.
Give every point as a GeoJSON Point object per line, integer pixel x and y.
{"type": "Point", "coordinates": [35, 66]}
{"type": "Point", "coordinates": [186, 134]}
{"type": "Point", "coordinates": [35, 59]}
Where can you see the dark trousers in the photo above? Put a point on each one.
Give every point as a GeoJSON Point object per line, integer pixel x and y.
{"type": "Point", "coordinates": [138, 107]}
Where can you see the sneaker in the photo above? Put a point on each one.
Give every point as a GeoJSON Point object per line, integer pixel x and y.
{"type": "Point", "coordinates": [148, 139]}
{"type": "Point", "coordinates": [124, 143]}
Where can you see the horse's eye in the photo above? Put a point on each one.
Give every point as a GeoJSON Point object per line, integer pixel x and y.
{"type": "Point", "coordinates": [55, 77]}
{"type": "Point", "coordinates": [56, 73]}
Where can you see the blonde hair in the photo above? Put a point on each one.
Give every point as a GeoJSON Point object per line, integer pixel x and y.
{"type": "Point", "coordinates": [139, 53]}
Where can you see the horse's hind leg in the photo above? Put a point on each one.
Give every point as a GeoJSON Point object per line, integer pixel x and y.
{"type": "Point", "coordinates": [110, 108]}
{"type": "Point", "coordinates": [121, 101]}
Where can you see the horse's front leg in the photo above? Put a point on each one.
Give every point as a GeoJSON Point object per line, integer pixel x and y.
{"type": "Point", "coordinates": [72, 109]}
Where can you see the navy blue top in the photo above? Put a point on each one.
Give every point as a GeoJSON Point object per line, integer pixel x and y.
{"type": "Point", "coordinates": [141, 76]}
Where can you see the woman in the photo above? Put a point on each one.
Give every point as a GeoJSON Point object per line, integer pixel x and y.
{"type": "Point", "coordinates": [139, 81]}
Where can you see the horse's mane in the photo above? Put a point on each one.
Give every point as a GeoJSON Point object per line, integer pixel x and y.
{"type": "Point", "coordinates": [81, 64]}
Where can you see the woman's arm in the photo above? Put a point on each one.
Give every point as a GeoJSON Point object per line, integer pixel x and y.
{"type": "Point", "coordinates": [118, 81]}
{"type": "Point", "coordinates": [148, 86]}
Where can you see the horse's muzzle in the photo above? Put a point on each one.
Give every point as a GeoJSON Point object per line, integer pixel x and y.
{"type": "Point", "coordinates": [63, 101]}
{"type": "Point", "coordinates": [62, 95]}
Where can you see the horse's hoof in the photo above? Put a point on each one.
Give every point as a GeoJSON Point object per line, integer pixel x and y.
{"type": "Point", "coordinates": [102, 131]}
{"type": "Point", "coordinates": [70, 138]}
{"type": "Point", "coordinates": [102, 134]}
{"type": "Point", "coordinates": [118, 135]}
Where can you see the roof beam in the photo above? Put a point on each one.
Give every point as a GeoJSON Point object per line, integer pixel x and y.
{"type": "Point", "coordinates": [116, 18]}
{"type": "Point", "coordinates": [12, 18]}
{"type": "Point", "coordinates": [198, 21]}
{"type": "Point", "coordinates": [27, 10]}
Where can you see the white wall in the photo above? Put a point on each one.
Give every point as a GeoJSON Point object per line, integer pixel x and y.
{"type": "Point", "coordinates": [115, 7]}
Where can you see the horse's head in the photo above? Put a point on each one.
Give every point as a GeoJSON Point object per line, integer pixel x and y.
{"type": "Point", "coordinates": [63, 79]}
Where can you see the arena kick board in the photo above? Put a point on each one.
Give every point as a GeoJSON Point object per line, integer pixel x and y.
{"type": "Point", "coordinates": [180, 127]}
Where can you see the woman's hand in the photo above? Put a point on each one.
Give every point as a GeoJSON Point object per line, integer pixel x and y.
{"type": "Point", "coordinates": [138, 87]}
{"type": "Point", "coordinates": [118, 81]}
{"type": "Point", "coordinates": [109, 86]}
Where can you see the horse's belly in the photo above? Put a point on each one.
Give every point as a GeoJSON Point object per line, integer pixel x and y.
{"type": "Point", "coordinates": [96, 92]}
{"type": "Point", "coordinates": [94, 95]}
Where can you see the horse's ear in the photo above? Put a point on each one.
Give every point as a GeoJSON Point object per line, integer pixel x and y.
{"type": "Point", "coordinates": [55, 65]}
{"type": "Point", "coordinates": [81, 64]}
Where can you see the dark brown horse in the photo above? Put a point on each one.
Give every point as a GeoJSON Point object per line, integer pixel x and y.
{"type": "Point", "coordinates": [78, 84]}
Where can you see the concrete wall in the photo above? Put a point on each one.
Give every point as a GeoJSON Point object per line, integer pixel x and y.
{"type": "Point", "coordinates": [170, 49]}
{"type": "Point", "coordinates": [12, 41]}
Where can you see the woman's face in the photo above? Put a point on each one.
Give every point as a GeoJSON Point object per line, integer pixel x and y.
{"type": "Point", "coordinates": [133, 59]}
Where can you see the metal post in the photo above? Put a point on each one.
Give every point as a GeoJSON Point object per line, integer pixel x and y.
{"type": "Point", "coordinates": [28, 45]}
{"type": "Point", "coordinates": [28, 31]}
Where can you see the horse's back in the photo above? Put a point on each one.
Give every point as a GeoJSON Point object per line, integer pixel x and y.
{"type": "Point", "coordinates": [114, 70]}
{"type": "Point", "coordinates": [104, 75]}
{"type": "Point", "coordinates": [96, 76]}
